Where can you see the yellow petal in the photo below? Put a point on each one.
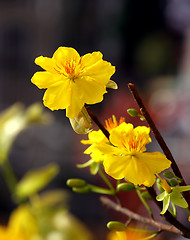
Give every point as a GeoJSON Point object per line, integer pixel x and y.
{"type": "Point", "coordinates": [46, 80]}
{"type": "Point", "coordinates": [76, 103]}
{"type": "Point", "coordinates": [156, 161]}
{"type": "Point", "coordinates": [120, 132]}
{"type": "Point", "coordinates": [97, 68]}
{"type": "Point", "coordinates": [58, 97]}
{"type": "Point", "coordinates": [129, 167]}
{"type": "Point", "coordinates": [46, 63]}
{"type": "Point", "coordinates": [63, 54]}
{"type": "Point", "coordinates": [90, 90]}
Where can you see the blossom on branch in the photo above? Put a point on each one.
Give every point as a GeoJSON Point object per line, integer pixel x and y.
{"type": "Point", "coordinates": [96, 138]}
{"type": "Point", "coordinates": [124, 155]}
{"type": "Point", "coordinates": [73, 80]}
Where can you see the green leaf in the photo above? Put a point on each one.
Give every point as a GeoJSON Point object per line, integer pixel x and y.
{"type": "Point", "coordinates": [161, 196]}
{"type": "Point", "coordinates": [182, 188]}
{"type": "Point", "coordinates": [86, 164]}
{"type": "Point", "coordinates": [166, 203]}
{"type": "Point", "coordinates": [94, 167]}
{"type": "Point", "coordinates": [116, 226]}
{"type": "Point", "coordinates": [35, 180]}
{"type": "Point", "coordinates": [178, 199]}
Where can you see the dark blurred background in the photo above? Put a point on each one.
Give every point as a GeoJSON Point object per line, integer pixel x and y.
{"type": "Point", "coordinates": [148, 42]}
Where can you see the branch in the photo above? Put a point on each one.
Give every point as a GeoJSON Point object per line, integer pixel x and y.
{"type": "Point", "coordinates": [98, 123]}
{"type": "Point", "coordinates": [134, 216]}
{"type": "Point", "coordinates": [158, 137]}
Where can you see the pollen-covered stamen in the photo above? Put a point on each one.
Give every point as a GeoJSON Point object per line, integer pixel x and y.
{"type": "Point", "coordinates": [112, 122]}
{"type": "Point", "coordinates": [134, 142]}
{"type": "Point", "coordinates": [71, 68]}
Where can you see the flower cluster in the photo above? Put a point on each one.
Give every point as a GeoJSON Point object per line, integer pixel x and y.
{"type": "Point", "coordinates": [125, 156]}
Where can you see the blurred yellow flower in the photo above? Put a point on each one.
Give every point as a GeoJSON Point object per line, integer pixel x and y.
{"type": "Point", "coordinates": [21, 226]}
{"type": "Point", "coordinates": [72, 80]}
{"type": "Point", "coordinates": [97, 137]}
{"type": "Point", "coordinates": [126, 158]}
{"type": "Point", "coordinates": [126, 235]}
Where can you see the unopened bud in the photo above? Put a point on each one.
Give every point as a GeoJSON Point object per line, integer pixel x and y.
{"type": "Point", "coordinates": [85, 189]}
{"type": "Point", "coordinates": [112, 84]}
{"type": "Point", "coordinates": [168, 174]}
{"type": "Point", "coordinates": [132, 112]}
{"type": "Point", "coordinates": [125, 187]}
{"type": "Point", "coordinates": [81, 124]}
{"type": "Point", "coordinates": [116, 226]}
{"type": "Point", "coordinates": [76, 182]}
{"type": "Point", "coordinates": [173, 183]}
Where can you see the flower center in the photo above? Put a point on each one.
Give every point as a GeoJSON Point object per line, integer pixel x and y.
{"type": "Point", "coordinates": [134, 142]}
{"type": "Point", "coordinates": [71, 68]}
{"type": "Point", "coordinates": [112, 122]}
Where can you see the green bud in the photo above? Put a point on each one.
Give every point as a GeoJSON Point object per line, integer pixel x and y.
{"type": "Point", "coordinates": [76, 182]}
{"type": "Point", "coordinates": [168, 174]}
{"type": "Point", "coordinates": [125, 187]}
{"type": "Point", "coordinates": [85, 189]}
{"type": "Point", "coordinates": [146, 195]}
{"type": "Point", "coordinates": [132, 112]}
{"type": "Point", "coordinates": [173, 183]}
{"type": "Point", "coordinates": [116, 226]}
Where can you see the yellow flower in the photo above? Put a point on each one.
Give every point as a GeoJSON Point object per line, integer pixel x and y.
{"type": "Point", "coordinates": [71, 80]}
{"type": "Point", "coordinates": [96, 138]}
{"type": "Point", "coordinates": [126, 235]}
{"type": "Point", "coordinates": [21, 226]}
{"type": "Point", "coordinates": [126, 158]}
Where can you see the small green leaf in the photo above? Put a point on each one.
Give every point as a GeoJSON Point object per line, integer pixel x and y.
{"type": "Point", "coordinates": [116, 226]}
{"type": "Point", "coordinates": [166, 202]}
{"type": "Point", "coordinates": [161, 196]}
{"type": "Point", "coordinates": [86, 164]}
{"type": "Point", "coordinates": [178, 199]}
{"type": "Point", "coordinates": [182, 188]}
{"type": "Point", "coordinates": [35, 180]}
{"type": "Point", "coordinates": [94, 167]}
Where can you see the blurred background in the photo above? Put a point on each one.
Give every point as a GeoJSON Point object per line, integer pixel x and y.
{"type": "Point", "coordinates": [148, 42]}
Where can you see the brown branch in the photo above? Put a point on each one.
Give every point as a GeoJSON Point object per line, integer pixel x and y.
{"type": "Point", "coordinates": [168, 216]}
{"type": "Point", "coordinates": [159, 138]}
{"type": "Point", "coordinates": [98, 123]}
{"type": "Point", "coordinates": [134, 216]}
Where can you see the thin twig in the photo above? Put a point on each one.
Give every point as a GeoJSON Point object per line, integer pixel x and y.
{"type": "Point", "coordinates": [169, 228]}
{"type": "Point", "coordinates": [98, 123]}
{"type": "Point", "coordinates": [158, 137]}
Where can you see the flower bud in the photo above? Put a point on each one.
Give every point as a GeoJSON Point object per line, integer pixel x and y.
{"type": "Point", "coordinates": [132, 112]}
{"type": "Point", "coordinates": [168, 174]}
{"type": "Point", "coordinates": [85, 189]}
{"type": "Point", "coordinates": [125, 187]}
{"type": "Point", "coordinates": [116, 226]}
{"type": "Point", "coordinates": [112, 84]}
{"type": "Point", "coordinates": [173, 183]}
{"type": "Point", "coordinates": [81, 124]}
{"type": "Point", "coordinates": [76, 182]}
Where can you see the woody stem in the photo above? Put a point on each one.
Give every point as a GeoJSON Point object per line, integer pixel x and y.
{"type": "Point", "coordinates": [158, 137]}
